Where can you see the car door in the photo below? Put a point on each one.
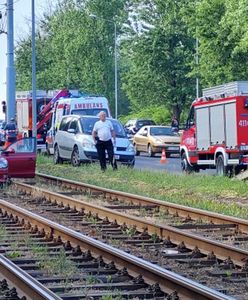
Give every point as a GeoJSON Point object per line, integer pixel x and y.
{"type": "Point", "coordinates": [144, 139]}
{"type": "Point", "coordinates": [138, 139]}
{"type": "Point", "coordinates": [71, 136]}
{"type": "Point", "coordinates": [62, 136]}
{"type": "Point", "coordinates": [21, 156]}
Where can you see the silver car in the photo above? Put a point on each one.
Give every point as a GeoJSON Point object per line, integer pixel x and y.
{"type": "Point", "coordinates": [74, 142]}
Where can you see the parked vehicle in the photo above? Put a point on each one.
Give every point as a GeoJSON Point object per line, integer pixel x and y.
{"type": "Point", "coordinates": [74, 142]}
{"type": "Point", "coordinates": [134, 126]}
{"type": "Point", "coordinates": [153, 139]}
{"type": "Point", "coordinates": [18, 160]}
{"type": "Point", "coordinates": [216, 130]}
{"type": "Point", "coordinates": [51, 107]}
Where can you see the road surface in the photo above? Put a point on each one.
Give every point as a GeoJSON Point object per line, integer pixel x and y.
{"type": "Point", "coordinates": [173, 164]}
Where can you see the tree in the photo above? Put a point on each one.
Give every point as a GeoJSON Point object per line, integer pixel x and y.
{"type": "Point", "coordinates": [221, 27]}
{"type": "Point", "coordinates": [74, 50]}
{"type": "Point", "coordinates": [159, 56]}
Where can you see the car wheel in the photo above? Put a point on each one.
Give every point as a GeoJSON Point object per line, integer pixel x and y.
{"type": "Point", "coordinates": [137, 153]}
{"type": "Point", "coordinates": [75, 159]}
{"type": "Point", "coordinates": [56, 158]}
{"type": "Point", "coordinates": [221, 169]}
{"type": "Point", "coordinates": [185, 166]}
{"type": "Point", "coordinates": [149, 150]}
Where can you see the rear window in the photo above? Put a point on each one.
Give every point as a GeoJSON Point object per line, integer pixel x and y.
{"type": "Point", "coordinates": [89, 112]}
{"type": "Point", "coordinates": [142, 123]}
{"type": "Point", "coordinates": [162, 131]}
{"type": "Point", "coordinates": [88, 124]}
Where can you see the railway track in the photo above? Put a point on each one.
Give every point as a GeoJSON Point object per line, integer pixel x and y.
{"type": "Point", "coordinates": [75, 266]}
{"type": "Point", "coordinates": [227, 266]}
{"type": "Point", "coordinates": [11, 276]}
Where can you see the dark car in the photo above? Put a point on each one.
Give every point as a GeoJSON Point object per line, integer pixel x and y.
{"type": "Point", "coordinates": [133, 126]}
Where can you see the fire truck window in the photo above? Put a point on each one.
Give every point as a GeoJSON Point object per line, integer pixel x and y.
{"type": "Point", "coordinates": [191, 118]}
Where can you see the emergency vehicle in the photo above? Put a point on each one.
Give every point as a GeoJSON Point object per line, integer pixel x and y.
{"type": "Point", "coordinates": [51, 107]}
{"type": "Point", "coordinates": [83, 105]}
{"type": "Point", "coordinates": [216, 134]}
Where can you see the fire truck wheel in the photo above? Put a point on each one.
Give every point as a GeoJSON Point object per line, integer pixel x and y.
{"type": "Point", "coordinates": [221, 169]}
{"type": "Point", "coordinates": [186, 167]}
{"type": "Point", "coordinates": [56, 158]}
{"type": "Point", "coordinates": [149, 150]}
{"type": "Point", "coordinates": [75, 160]}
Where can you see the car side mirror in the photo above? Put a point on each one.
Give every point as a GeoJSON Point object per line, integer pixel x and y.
{"type": "Point", "coordinates": [71, 130]}
{"type": "Point", "coordinates": [145, 133]}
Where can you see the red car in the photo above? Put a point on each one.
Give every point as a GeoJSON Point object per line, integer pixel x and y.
{"type": "Point", "coordinates": [18, 160]}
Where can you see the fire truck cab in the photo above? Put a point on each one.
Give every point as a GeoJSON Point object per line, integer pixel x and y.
{"type": "Point", "coordinates": [216, 133]}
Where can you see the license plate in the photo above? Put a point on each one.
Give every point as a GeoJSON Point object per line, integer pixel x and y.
{"type": "Point", "coordinates": [115, 156]}
{"type": "Point", "coordinates": [173, 148]}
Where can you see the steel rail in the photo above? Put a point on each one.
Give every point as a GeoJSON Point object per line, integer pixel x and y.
{"type": "Point", "coordinates": [23, 282]}
{"type": "Point", "coordinates": [176, 235]}
{"type": "Point", "coordinates": [172, 208]}
{"type": "Point", "coordinates": [167, 280]}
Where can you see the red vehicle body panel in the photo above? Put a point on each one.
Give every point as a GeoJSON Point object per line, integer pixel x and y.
{"type": "Point", "coordinates": [189, 137]}
{"type": "Point", "coordinates": [21, 156]}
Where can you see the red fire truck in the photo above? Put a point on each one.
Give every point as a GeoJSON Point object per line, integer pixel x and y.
{"type": "Point", "coordinates": [216, 133]}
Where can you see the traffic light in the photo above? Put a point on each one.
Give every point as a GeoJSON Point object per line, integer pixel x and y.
{"type": "Point", "coordinates": [4, 107]}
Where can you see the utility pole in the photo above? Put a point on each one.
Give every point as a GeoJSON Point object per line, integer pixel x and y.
{"type": "Point", "coordinates": [197, 63]}
{"type": "Point", "coordinates": [10, 71]}
{"type": "Point", "coordinates": [34, 105]}
{"type": "Point", "coordinates": [116, 75]}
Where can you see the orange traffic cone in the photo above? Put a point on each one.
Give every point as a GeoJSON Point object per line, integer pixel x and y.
{"type": "Point", "coordinates": [163, 159]}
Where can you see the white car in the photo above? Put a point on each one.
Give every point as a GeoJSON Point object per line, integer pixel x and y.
{"type": "Point", "coordinates": [74, 142]}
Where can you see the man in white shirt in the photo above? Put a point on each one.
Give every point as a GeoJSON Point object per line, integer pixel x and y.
{"type": "Point", "coordinates": [102, 133]}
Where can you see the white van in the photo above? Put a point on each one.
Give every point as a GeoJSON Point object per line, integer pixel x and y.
{"type": "Point", "coordinates": [74, 142]}
{"type": "Point", "coordinates": [84, 105]}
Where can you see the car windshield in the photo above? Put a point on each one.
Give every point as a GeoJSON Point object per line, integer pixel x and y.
{"type": "Point", "coordinates": [89, 112]}
{"type": "Point", "coordinates": [162, 131]}
{"type": "Point", "coordinates": [88, 124]}
{"type": "Point", "coordinates": [142, 123]}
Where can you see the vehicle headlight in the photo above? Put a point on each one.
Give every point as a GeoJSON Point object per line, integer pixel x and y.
{"type": "Point", "coordinates": [158, 141]}
{"type": "Point", "coordinates": [88, 144]}
{"type": "Point", "coordinates": [130, 148]}
{"type": "Point", "coordinates": [3, 163]}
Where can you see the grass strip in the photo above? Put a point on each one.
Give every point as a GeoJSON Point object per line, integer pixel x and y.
{"type": "Point", "coordinates": [212, 193]}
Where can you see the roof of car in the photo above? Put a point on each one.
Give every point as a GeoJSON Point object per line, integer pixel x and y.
{"type": "Point", "coordinates": [161, 126]}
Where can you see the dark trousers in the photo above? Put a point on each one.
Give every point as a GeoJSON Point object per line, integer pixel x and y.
{"type": "Point", "coordinates": [101, 147]}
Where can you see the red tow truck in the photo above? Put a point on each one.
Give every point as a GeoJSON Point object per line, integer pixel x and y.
{"type": "Point", "coordinates": [216, 133]}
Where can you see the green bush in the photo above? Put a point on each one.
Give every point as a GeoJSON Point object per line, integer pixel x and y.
{"type": "Point", "coordinates": [159, 114]}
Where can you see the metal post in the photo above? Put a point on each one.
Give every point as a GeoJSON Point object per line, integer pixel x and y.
{"type": "Point", "coordinates": [116, 76]}
{"type": "Point", "coordinates": [197, 63]}
{"type": "Point", "coordinates": [10, 71]}
{"type": "Point", "coordinates": [34, 109]}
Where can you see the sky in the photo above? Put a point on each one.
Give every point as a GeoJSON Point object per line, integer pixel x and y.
{"type": "Point", "coordinates": [22, 26]}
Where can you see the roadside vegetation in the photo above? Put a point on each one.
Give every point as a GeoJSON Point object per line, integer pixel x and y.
{"type": "Point", "coordinates": [217, 194]}
{"type": "Point", "coordinates": [156, 43]}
